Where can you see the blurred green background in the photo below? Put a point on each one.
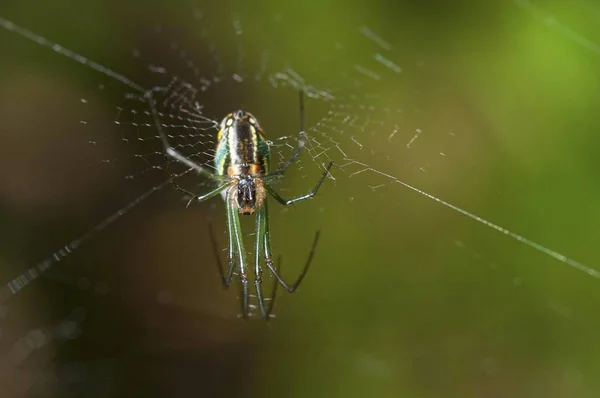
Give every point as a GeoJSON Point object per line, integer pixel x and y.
{"type": "Point", "coordinates": [405, 297]}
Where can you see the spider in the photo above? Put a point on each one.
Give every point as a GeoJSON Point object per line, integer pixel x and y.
{"type": "Point", "coordinates": [242, 160]}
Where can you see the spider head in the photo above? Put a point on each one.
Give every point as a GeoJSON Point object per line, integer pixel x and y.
{"type": "Point", "coordinates": [246, 195]}
{"type": "Point", "coordinates": [246, 190]}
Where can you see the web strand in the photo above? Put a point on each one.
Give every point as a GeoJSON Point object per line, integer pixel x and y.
{"type": "Point", "coordinates": [26, 278]}
{"type": "Point", "coordinates": [6, 24]}
{"type": "Point", "coordinates": [560, 257]}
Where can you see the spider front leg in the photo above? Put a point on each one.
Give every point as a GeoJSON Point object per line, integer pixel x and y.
{"type": "Point", "coordinates": [169, 150]}
{"type": "Point", "coordinates": [236, 247]}
{"type": "Point", "coordinates": [235, 233]}
{"type": "Point", "coordinates": [310, 194]}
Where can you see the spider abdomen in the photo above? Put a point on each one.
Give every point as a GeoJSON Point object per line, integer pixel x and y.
{"type": "Point", "coordinates": [241, 144]}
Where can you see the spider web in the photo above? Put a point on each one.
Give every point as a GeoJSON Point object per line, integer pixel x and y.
{"type": "Point", "coordinates": [373, 107]}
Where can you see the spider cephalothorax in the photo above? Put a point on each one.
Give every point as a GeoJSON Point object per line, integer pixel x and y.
{"type": "Point", "coordinates": [247, 193]}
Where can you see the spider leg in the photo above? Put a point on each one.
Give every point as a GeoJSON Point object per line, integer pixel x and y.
{"type": "Point", "coordinates": [200, 198]}
{"type": "Point", "coordinates": [273, 292]}
{"type": "Point", "coordinates": [301, 142]}
{"type": "Point", "coordinates": [269, 260]}
{"type": "Point", "coordinates": [260, 231]}
{"type": "Point", "coordinates": [235, 233]}
{"type": "Point", "coordinates": [310, 194]}
{"type": "Point", "coordinates": [169, 150]}
{"type": "Point", "coordinates": [231, 248]}
{"type": "Point", "coordinates": [286, 286]}
{"type": "Point", "coordinates": [226, 280]}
